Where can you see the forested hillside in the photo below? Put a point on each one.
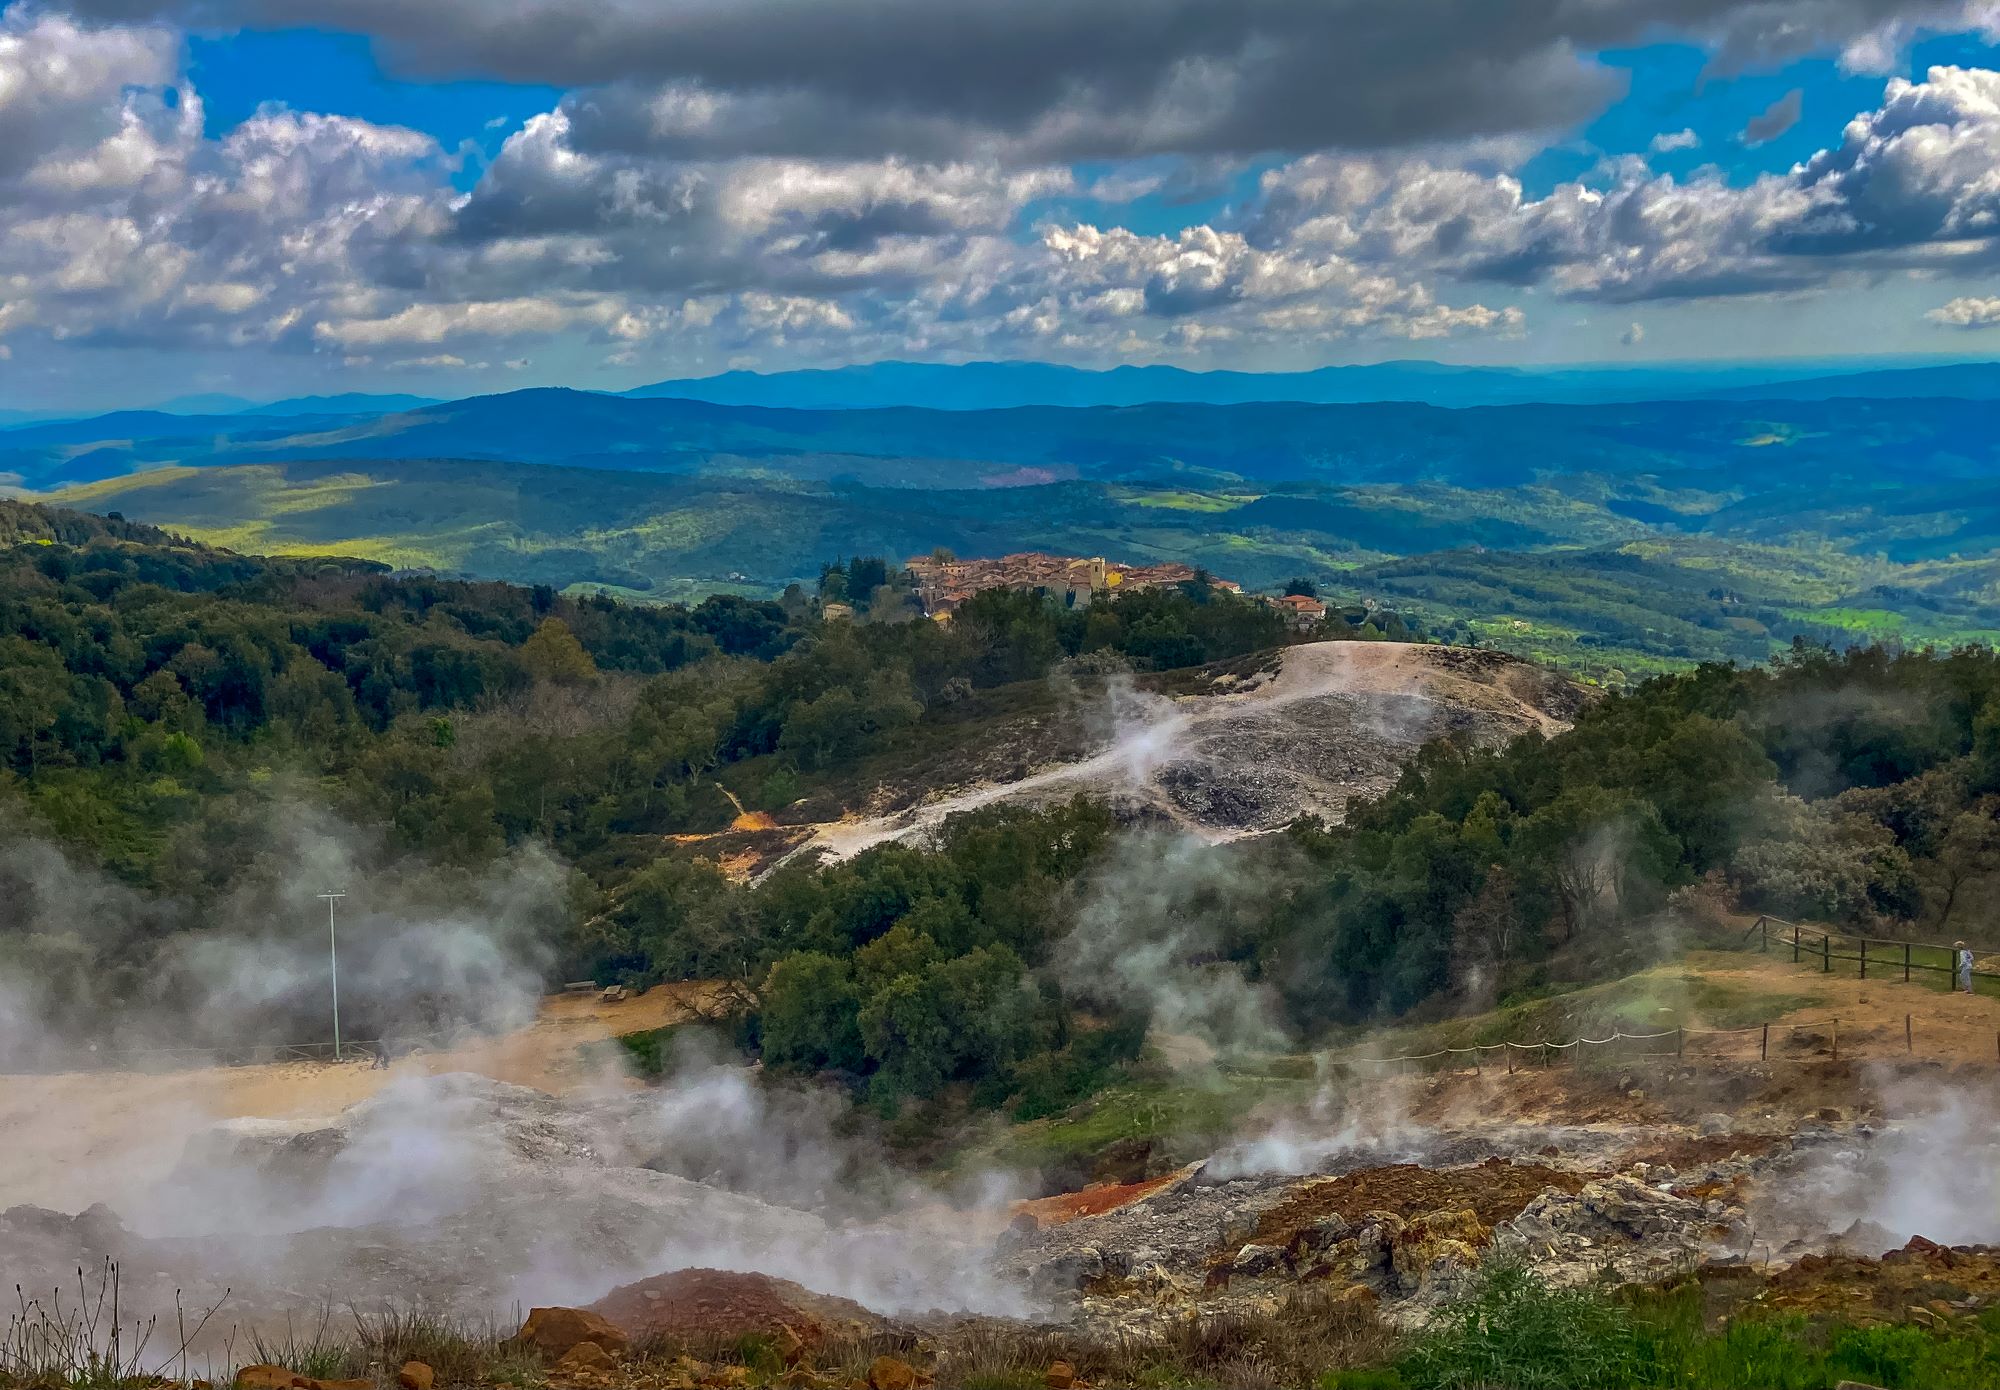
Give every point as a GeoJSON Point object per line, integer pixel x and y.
{"type": "Point", "coordinates": [1612, 539]}
{"type": "Point", "coordinates": [160, 700]}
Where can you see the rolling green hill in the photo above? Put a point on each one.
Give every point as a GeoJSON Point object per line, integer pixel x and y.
{"type": "Point", "coordinates": [1602, 537]}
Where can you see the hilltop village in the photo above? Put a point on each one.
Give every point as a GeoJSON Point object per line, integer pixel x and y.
{"type": "Point", "coordinates": [943, 581]}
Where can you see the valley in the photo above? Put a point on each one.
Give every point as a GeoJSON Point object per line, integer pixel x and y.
{"type": "Point", "coordinates": [1605, 538]}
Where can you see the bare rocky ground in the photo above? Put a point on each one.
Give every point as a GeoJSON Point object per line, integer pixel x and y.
{"type": "Point", "coordinates": [1240, 752]}
{"type": "Point", "coordinates": [474, 1198]}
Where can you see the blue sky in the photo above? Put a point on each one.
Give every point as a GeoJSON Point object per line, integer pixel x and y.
{"type": "Point", "coordinates": [281, 196]}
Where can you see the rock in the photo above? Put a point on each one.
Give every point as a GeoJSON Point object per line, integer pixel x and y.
{"type": "Point", "coordinates": [1636, 1209]}
{"type": "Point", "coordinates": [1253, 1260]}
{"type": "Point", "coordinates": [1019, 1231]}
{"type": "Point", "coordinates": [584, 1356]}
{"type": "Point", "coordinates": [553, 1331]}
{"type": "Point", "coordinates": [1069, 1271]}
{"type": "Point", "coordinates": [1326, 1232]}
{"type": "Point", "coordinates": [887, 1373]}
{"type": "Point", "coordinates": [1357, 1296]}
{"type": "Point", "coordinates": [415, 1375]}
{"type": "Point", "coordinates": [1712, 1125]}
{"type": "Point", "coordinates": [1830, 1114]}
{"type": "Point", "coordinates": [269, 1377]}
{"type": "Point", "coordinates": [1061, 1376]}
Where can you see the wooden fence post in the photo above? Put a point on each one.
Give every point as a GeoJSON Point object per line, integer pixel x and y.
{"type": "Point", "coordinates": [1909, 1038]}
{"type": "Point", "coordinates": [1764, 1052]}
{"type": "Point", "coordinates": [1680, 1041]}
{"type": "Point", "coordinates": [1795, 945]}
{"type": "Point", "coordinates": [1826, 952]}
{"type": "Point", "coordinates": [1864, 957]}
{"type": "Point", "coordinates": [1906, 962]}
{"type": "Point", "coordinates": [1764, 934]}
{"type": "Point", "coordinates": [1836, 1040]}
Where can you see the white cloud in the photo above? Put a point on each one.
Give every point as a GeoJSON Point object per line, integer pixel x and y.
{"type": "Point", "coordinates": [1967, 312]}
{"type": "Point", "coordinates": [1633, 335]}
{"type": "Point", "coordinates": [122, 223]}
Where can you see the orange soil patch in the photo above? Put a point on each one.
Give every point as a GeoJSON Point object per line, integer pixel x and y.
{"type": "Point", "coordinates": [1094, 1200]}
{"type": "Point", "coordinates": [705, 1303]}
{"type": "Point", "coordinates": [754, 820]}
{"type": "Point", "coordinates": [1495, 1191]}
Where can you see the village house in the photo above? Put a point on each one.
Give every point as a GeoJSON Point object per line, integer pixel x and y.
{"type": "Point", "coordinates": [943, 583]}
{"type": "Point", "coordinates": [1302, 611]}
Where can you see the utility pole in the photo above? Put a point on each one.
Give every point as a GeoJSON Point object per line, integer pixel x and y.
{"type": "Point", "coordinates": [333, 959]}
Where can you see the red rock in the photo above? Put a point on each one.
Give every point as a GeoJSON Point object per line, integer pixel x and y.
{"type": "Point", "coordinates": [268, 1377]}
{"type": "Point", "coordinates": [415, 1375]}
{"type": "Point", "coordinates": [553, 1331]}
{"type": "Point", "coordinates": [586, 1356]}
{"type": "Point", "coordinates": [887, 1373]}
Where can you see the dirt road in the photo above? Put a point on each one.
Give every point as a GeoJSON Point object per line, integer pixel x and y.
{"type": "Point", "coordinates": [78, 1137]}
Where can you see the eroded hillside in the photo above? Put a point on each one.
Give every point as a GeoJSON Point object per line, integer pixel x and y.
{"type": "Point", "coordinates": [1239, 751]}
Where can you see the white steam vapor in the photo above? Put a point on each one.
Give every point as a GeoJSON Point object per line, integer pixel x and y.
{"type": "Point", "coordinates": [96, 970]}
{"type": "Point", "coordinates": [1148, 937]}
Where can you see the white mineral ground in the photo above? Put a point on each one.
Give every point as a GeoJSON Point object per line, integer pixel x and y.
{"type": "Point", "coordinates": [1338, 720]}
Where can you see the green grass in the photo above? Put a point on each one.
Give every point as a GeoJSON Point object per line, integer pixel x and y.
{"type": "Point", "coordinates": [1511, 1331]}
{"type": "Point", "coordinates": [1651, 1001]}
{"type": "Point", "coordinates": [1171, 1113]}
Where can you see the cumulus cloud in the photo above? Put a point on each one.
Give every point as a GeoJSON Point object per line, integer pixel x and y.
{"type": "Point", "coordinates": [898, 178]}
{"type": "Point", "coordinates": [1050, 79]}
{"type": "Point", "coordinates": [1967, 312]}
{"type": "Point", "coordinates": [1914, 183]}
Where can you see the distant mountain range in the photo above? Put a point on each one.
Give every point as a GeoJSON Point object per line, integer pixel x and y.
{"type": "Point", "coordinates": [1791, 443]}
{"type": "Point", "coordinates": [1001, 385]}
{"type": "Point", "coordinates": [978, 386]}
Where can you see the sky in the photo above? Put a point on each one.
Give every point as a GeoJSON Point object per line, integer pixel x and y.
{"type": "Point", "coordinates": [276, 197]}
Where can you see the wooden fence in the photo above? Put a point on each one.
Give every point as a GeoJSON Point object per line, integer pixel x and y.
{"type": "Point", "coordinates": [1874, 957]}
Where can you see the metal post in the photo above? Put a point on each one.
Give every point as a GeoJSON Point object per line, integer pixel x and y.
{"type": "Point", "coordinates": [1764, 1050]}
{"type": "Point", "coordinates": [333, 960]}
{"type": "Point", "coordinates": [1864, 957]}
{"type": "Point", "coordinates": [1906, 962]}
{"type": "Point", "coordinates": [1909, 1038]}
{"type": "Point", "coordinates": [1795, 945]}
{"type": "Point", "coordinates": [1826, 952]}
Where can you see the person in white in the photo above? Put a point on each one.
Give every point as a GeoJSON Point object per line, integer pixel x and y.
{"type": "Point", "coordinates": [1964, 980]}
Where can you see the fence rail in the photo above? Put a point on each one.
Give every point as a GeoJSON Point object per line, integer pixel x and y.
{"type": "Point", "coordinates": [1911, 961]}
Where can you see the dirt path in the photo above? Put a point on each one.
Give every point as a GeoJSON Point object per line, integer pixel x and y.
{"type": "Point", "coordinates": [78, 1137]}
{"type": "Point", "coordinates": [1943, 1026]}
